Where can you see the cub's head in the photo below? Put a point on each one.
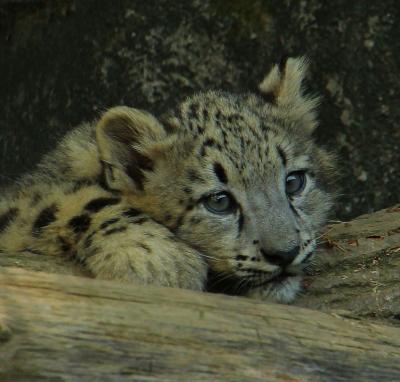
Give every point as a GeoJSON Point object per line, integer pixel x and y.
{"type": "Point", "coordinates": [238, 177]}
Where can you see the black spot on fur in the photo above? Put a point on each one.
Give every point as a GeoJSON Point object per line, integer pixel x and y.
{"type": "Point", "coordinates": [187, 190]}
{"type": "Point", "coordinates": [220, 173]}
{"type": "Point", "coordinates": [137, 165]}
{"type": "Point", "coordinates": [80, 223]}
{"type": "Point", "coordinates": [78, 185]}
{"type": "Point", "coordinates": [269, 97]}
{"type": "Point", "coordinates": [193, 176]}
{"type": "Point", "coordinates": [241, 221]}
{"type": "Point", "coordinates": [33, 251]}
{"type": "Point", "coordinates": [96, 205]}
{"type": "Point", "coordinates": [282, 155]}
{"type": "Point", "coordinates": [195, 220]}
{"type": "Point", "coordinates": [189, 207]}
{"type": "Point", "coordinates": [7, 218]}
{"type": "Point", "coordinates": [88, 241]}
{"type": "Point", "coordinates": [145, 247]}
{"type": "Point", "coordinates": [132, 212]}
{"type": "Point", "coordinates": [241, 257]}
{"type": "Point", "coordinates": [234, 118]}
{"type": "Point", "coordinates": [178, 223]}
{"type": "Point", "coordinates": [36, 198]}
{"type": "Point", "coordinates": [209, 142]}
{"type": "Point", "coordinates": [93, 251]}
{"type": "Point", "coordinates": [294, 210]}
{"type": "Point", "coordinates": [115, 230]}
{"type": "Point", "coordinates": [192, 111]}
{"type": "Point", "coordinates": [45, 217]}
{"type": "Point", "coordinates": [108, 223]}
{"type": "Point", "coordinates": [140, 221]}
{"type": "Point", "coordinates": [77, 259]}
{"type": "Point", "coordinates": [65, 246]}
{"type": "Point", "coordinates": [282, 64]}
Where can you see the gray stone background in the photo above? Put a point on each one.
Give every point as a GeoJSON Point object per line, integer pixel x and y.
{"type": "Point", "coordinates": [63, 62]}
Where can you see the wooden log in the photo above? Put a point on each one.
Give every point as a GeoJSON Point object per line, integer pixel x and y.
{"type": "Point", "coordinates": [357, 272]}
{"type": "Point", "coordinates": [65, 328]}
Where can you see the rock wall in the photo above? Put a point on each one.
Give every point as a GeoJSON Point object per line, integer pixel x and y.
{"type": "Point", "coordinates": [64, 62]}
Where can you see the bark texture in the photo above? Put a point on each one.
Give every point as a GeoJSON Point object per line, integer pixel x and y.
{"type": "Point", "coordinates": [65, 328]}
{"type": "Point", "coordinates": [358, 269]}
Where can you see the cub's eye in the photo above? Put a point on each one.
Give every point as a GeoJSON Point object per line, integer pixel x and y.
{"type": "Point", "coordinates": [221, 203]}
{"type": "Point", "coordinates": [295, 182]}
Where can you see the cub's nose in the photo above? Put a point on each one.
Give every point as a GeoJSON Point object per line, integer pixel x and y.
{"type": "Point", "coordinates": [281, 258]}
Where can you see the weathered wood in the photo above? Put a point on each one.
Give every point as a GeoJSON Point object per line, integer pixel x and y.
{"type": "Point", "coordinates": [66, 328]}
{"type": "Point", "coordinates": [358, 269]}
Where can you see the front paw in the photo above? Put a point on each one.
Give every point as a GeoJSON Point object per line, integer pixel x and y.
{"type": "Point", "coordinates": [174, 265]}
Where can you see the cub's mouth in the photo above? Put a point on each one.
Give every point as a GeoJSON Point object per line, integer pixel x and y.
{"type": "Point", "coordinates": [279, 278]}
{"type": "Point", "coordinates": [237, 286]}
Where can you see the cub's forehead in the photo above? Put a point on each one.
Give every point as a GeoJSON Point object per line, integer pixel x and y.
{"type": "Point", "coordinates": [239, 131]}
{"type": "Point", "coordinates": [215, 110]}
{"type": "Point", "coordinates": [233, 130]}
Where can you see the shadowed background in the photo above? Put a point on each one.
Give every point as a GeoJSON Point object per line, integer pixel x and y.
{"type": "Point", "coordinates": [62, 63]}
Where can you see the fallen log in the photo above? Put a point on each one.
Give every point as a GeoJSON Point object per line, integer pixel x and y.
{"type": "Point", "coordinates": [357, 273]}
{"type": "Point", "coordinates": [67, 328]}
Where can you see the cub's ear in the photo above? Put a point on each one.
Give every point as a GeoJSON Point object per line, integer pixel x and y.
{"type": "Point", "coordinates": [124, 137]}
{"type": "Point", "coordinates": [282, 87]}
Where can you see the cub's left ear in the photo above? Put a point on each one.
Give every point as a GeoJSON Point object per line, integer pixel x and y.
{"type": "Point", "coordinates": [125, 138]}
{"type": "Point", "coordinates": [282, 87]}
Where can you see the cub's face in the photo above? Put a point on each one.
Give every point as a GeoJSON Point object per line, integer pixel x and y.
{"type": "Point", "coordinates": [239, 179]}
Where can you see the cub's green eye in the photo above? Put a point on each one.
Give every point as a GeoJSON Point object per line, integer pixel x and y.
{"type": "Point", "coordinates": [295, 182]}
{"type": "Point", "coordinates": [221, 203]}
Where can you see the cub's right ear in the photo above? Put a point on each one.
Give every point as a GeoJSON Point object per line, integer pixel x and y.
{"type": "Point", "coordinates": [124, 136]}
{"type": "Point", "coordinates": [282, 88]}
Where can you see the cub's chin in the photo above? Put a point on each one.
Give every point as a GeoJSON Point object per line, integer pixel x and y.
{"type": "Point", "coordinates": [284, 290]}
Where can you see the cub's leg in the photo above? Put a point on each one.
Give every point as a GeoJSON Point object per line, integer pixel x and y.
{"type": "Point", "coordinates": [132, 247]}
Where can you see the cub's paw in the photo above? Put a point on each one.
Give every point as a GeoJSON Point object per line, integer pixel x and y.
{"type": "Point", "coordinates": [145, 253]}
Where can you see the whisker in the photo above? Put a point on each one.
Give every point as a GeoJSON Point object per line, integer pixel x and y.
{"type": "Point", "coordinates": [242, 285]}
{"type": "Point", "coordinates": [211, 257]}
{"type": "Point", "coordinates": [219, 278]}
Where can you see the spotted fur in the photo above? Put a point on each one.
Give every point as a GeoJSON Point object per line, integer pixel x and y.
{"type": "Point", "coordinates": [129, 195]}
